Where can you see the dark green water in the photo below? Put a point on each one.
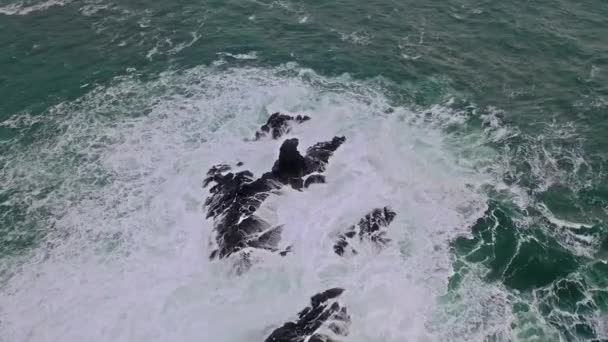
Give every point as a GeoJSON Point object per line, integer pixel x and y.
{"type": "Point", "coordinates": [529, 80]}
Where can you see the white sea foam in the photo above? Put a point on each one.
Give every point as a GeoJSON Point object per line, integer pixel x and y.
{"type": "Point", "coordinates": [243, 56]}
{"type": "Point", "coordinates": [27, 7]}
{"type": "Point", "coordinates": [126, 257]}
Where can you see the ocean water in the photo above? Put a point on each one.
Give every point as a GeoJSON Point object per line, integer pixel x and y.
{"type": "Point", "coordinates": [483, 124]}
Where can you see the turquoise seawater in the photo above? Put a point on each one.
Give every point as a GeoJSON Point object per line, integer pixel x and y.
{"type": "Point", "coordinates": [112, 111]}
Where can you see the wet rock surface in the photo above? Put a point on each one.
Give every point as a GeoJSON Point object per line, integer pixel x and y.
{"type": "Point", "coordinates": [324, 320]}
{"type": "Point", "coordinates": [372, 227]}
{"type": "Point", "coordinates": [279, 124]}
{"type": "Point", "coordinates": [235, 197]}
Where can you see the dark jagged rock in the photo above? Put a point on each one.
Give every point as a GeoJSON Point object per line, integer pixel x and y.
{"type": "Point", "coordinates": [215, 171]}
{"type": "Point", "coordinates": [314, 179]}
{"type": "Point", "coordinates": [320, 152]}
{"type": "Point", "coordinates": [236, 196]}
{"type": "Point", "coordinates": [279, 124]}
{"type": "Point", "coordinates": [292, 166]}
{"type": "Point", "coordinates": [233, 201]}
{"type": "Point", "coordinates": [371, 227]}
{"type": "Point", "coordinates": [324, 319]}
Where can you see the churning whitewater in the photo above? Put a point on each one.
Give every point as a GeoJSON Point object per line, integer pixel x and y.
{"type": "Point", "coordinates": [128, 257]}
{"type": "Point", "coordinates": [303, 171]}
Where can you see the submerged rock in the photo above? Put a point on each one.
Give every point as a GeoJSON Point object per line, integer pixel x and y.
{"type": "Point", "coordinates": [279, 124]}
{"type": "Point", "coordinates": [322, 321]}
{"type": "Point", "coordinates": [235, 197]}
{"type": "Point", "coordinates": [371, 227]}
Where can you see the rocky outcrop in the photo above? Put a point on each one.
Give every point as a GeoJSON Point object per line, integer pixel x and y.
{"type": "Point", "coordinates": [322, 321]}
{"type": "Point", "coordinates": [372, 227]}
{"type": "Point", "coordinates": [279, 124]}
{"type": "Point", "coordinates": [235, 197]}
